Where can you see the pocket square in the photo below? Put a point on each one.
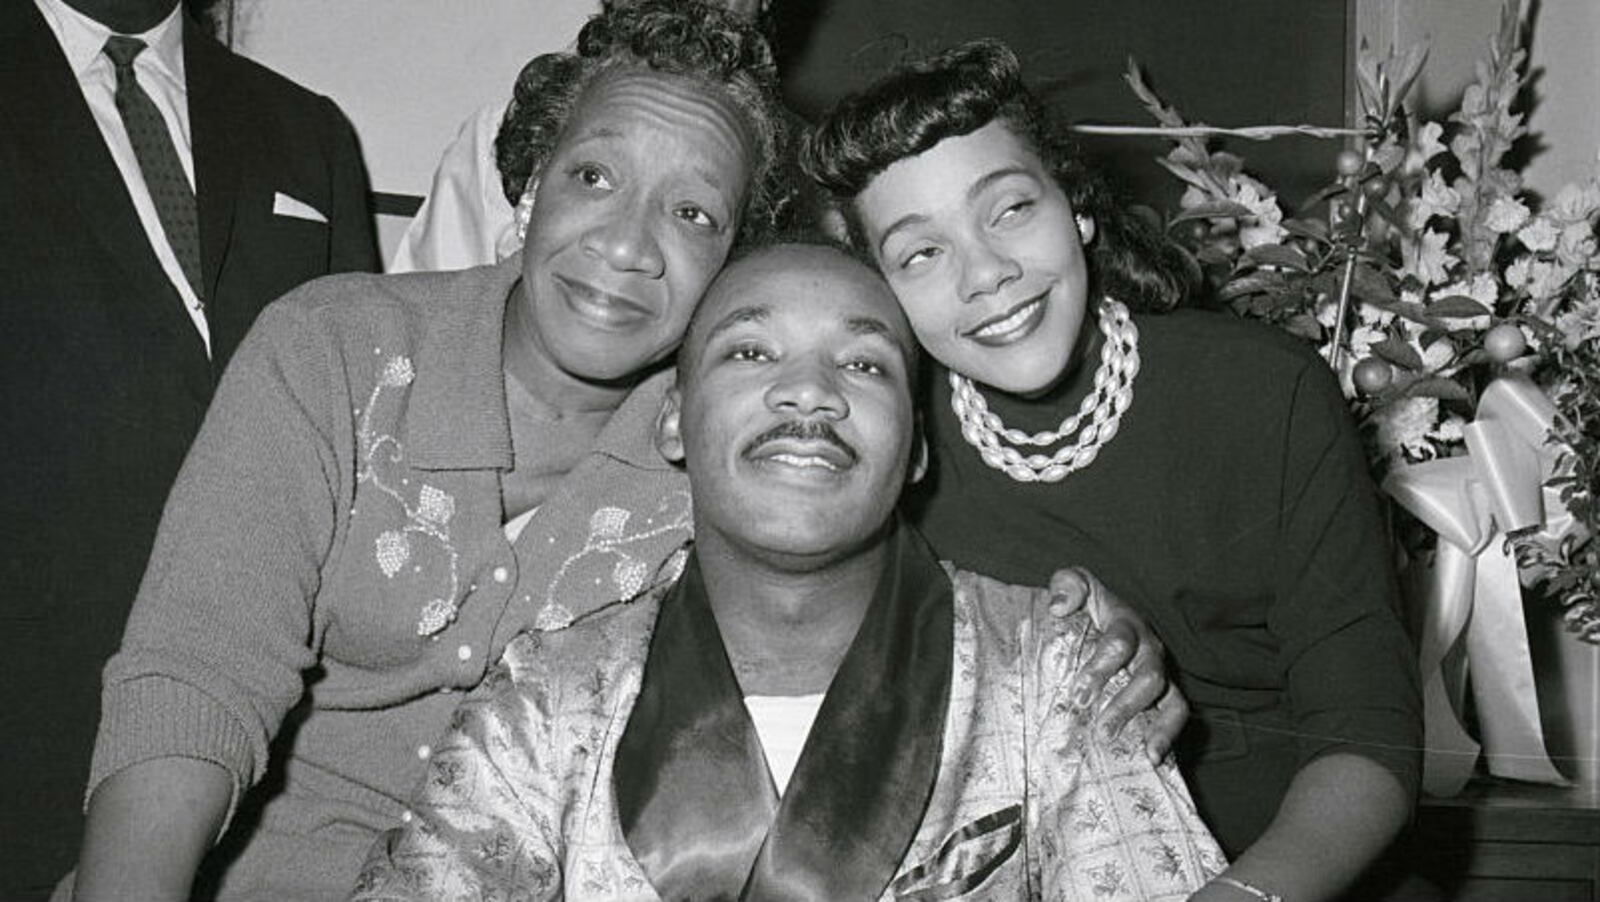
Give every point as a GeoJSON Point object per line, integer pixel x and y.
{"type": "Point", "coordinates": [284, 205]}
{"type": "Point", "coordinates": [966, 858]}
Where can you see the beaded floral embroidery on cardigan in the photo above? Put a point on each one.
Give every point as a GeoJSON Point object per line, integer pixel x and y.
{"type": "Point", "coordinates": [428, 516]}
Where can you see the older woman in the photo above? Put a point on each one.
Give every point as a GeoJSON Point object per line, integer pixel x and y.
{"type": "Point", "coordinates": [1200, 465]}
{"type": "Point", "coordinates": [350, 540]}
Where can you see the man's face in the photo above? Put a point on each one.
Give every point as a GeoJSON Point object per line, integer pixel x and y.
{"type": "Point", "coordinates": [793, 410]}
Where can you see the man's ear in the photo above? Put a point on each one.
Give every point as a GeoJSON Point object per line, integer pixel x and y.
{"type": "Point", "coordinates": [668, 439]}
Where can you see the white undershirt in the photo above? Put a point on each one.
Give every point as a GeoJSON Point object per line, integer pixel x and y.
{"type": "Point", "coordinates": [515, 525]}
{"type": "Point", "coordinates": [159, 70]}
{"type": "Point", "coordinates": [782, 724]}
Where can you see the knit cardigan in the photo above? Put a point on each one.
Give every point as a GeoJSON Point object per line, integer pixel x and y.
{"type": "Point", "coordinates": [331, 566]}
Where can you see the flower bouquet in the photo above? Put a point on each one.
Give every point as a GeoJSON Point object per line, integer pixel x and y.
{"type": "Point", "coordinates": [1462, 316]}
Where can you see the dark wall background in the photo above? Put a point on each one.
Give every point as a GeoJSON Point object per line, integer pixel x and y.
{"type": "Point", "coordinates": [1224, 62]}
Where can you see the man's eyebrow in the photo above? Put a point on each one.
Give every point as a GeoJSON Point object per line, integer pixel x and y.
{"type": "Point", "coordinates": [872, 325]}
{"type": "Point", "coordinates": [752, 313]}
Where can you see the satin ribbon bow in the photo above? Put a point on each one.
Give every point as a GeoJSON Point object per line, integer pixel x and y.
{"type": "Point", "coordinates": [1472, 502]}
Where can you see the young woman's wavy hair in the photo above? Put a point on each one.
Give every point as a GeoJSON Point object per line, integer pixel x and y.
{"type": "Point", "coordinates": [957, 92]}
{"type": "Point", "coordinates": [723, 51]}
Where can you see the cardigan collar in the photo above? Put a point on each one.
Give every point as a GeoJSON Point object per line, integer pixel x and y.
{"type": "Point", "coordinates": [697, 805]}
{"type": "Point", "coordinates": [457, 418]}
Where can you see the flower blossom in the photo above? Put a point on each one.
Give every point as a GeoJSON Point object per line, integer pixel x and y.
{"type": "Point", "coordinates": [1580, 324]}
{"type": "Point", "coordinates": [1425, 145]}
{"type": "Point", "coordinates": [1403, 426]}
{"type": "Point", "coordinates": [1436, 199]}
{"type": "Point", "coordinates": [1449, 431]}
{"type": "Point", "coordinates": [1575, 203]}
{"type": "Point", "coordinates": [1506, 214]}
{"type": "Point", "coordinates": [1539, 235]}
{"type": "Point", "coordinates": [1576, 246]}
{"type": "Point", "coordinates": [1427, 259]}
{"type": "Point", "coordinates": [1266, 227]}
{"type": "Point", "coordinates": [1541, 279]}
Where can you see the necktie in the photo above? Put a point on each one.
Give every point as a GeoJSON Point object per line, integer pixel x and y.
{"type": "Point", "coordinates": [158, 160]}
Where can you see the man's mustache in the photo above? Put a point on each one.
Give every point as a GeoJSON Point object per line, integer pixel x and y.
{"type": "Point", "coordinates": [803, 430]}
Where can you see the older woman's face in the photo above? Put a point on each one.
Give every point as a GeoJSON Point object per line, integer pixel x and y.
{"type": "Point", "coordinates": [635, 213]}
{"type": "Point", "coordinates": [980, 246]}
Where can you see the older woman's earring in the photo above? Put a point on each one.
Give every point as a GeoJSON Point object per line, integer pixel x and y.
{"type": "Point", "coordinates": [524, 212]}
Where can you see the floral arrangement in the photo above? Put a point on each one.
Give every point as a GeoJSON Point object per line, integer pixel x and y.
{"type": "Point", "coordinates": [1423, 273]}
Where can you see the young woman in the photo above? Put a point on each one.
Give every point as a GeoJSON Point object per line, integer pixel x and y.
{"type": "Point", "coordinates": [1202, 466]}
{"type": "Point", "coordinates": [349, 542]}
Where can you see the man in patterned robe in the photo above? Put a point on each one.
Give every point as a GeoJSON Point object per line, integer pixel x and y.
{"type": "Point", "coordinates": [815, 707]}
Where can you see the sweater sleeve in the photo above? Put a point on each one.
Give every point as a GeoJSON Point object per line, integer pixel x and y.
{"type": "Point", "coordinates": [1352, 673]}
{"type": "Point", "coordinates": [219, 639]}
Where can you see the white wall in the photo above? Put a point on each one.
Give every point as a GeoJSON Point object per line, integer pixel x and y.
{"type": "Point", "coordinates": [1566, 47]}
{"type": "Point", "coordinates": [1565, 58]}
{"type": "Point", "coordinates": [406, 72]}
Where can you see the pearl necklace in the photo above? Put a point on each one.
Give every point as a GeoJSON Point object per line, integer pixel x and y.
{"type": "Point", "coordinates": [1102, 407]}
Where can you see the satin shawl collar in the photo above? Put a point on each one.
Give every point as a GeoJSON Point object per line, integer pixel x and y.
{"type": "Point", "coordinates": [694, 797]}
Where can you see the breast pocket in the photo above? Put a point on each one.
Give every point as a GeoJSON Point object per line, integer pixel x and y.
{"type": "Point", "coordinates": [973, 857]}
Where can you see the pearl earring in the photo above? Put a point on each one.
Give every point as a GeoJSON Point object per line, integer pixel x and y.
{"type": "Point", "coordinates": [524, 212]}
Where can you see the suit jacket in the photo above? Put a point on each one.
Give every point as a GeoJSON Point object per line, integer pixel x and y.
{"type": "Point", "coordinates": [604, 761]}
{"type": "Point", "coordinates": [104, 380]}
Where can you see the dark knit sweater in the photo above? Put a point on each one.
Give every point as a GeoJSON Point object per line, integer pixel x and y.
{"type": "Point", "coordinates": [1234, 509]}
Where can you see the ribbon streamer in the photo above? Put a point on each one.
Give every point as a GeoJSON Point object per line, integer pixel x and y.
{"type": "Point", "coordinates": [1472, 502]}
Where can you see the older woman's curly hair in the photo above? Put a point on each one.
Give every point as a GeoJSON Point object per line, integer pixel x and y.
{"type": "Point", "coordinates": [722, 50]}
{"type": "Point", "coordinates": [958, 92]}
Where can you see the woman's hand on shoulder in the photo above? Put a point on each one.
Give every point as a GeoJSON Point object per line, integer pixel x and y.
{"type": "Point", "coordinates": [1126, 641]}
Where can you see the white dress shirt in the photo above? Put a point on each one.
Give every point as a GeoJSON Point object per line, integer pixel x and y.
{"type": "Point", "coordinates": [159, 70]}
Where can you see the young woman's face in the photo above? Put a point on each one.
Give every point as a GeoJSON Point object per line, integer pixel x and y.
{"type": "Point", "coordinates": [635, 211]}
{"type": "Point", "coordinates": [982, 250]}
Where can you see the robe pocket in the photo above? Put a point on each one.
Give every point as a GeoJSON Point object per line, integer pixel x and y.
{"type": "Point", "coordinates": [965, 860]}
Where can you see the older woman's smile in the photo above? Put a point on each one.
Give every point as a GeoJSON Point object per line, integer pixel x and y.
{"type": "Point", "coordinates": [602, 307]}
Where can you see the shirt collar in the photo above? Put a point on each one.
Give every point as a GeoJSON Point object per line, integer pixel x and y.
{"type": "Point", "coordinates": [82, 39]}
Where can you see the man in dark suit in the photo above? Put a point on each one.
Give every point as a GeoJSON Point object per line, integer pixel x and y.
{"type": "Point", "coordinates": [119, 307]}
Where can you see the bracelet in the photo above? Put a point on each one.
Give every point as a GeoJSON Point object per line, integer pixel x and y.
{"type": "Point", "coordinates": [1250, 889]}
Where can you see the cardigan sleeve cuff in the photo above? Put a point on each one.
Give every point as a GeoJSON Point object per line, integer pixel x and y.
{"type": "Point", "coordinates": [153, 717]}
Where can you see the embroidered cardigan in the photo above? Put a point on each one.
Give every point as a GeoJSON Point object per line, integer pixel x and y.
{"type": "Point", "coordinates": [519, 801]}
{"type": "Point", "coordinates": [331, 565]}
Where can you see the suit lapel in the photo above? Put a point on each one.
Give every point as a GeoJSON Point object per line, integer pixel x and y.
{"type": "Point", "coordinates": [50, 118]}
{"type": "Point", "coordinates": [214, 111]}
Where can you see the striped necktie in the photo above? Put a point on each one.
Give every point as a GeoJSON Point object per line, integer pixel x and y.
{"type": "Point", "coordinates": [158, 160]}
